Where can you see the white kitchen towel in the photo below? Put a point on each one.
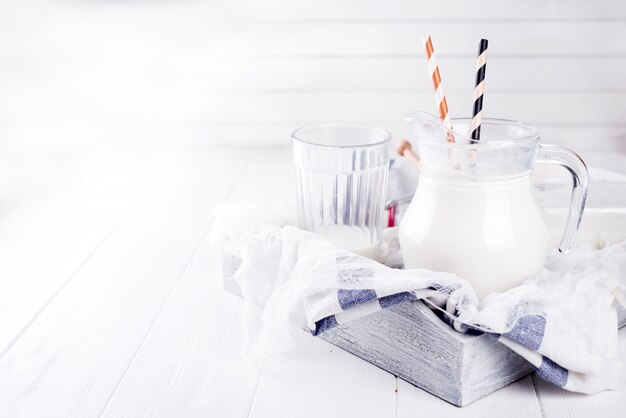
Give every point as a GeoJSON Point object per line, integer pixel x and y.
{"type": "Point", "coordinates": [563, 321]}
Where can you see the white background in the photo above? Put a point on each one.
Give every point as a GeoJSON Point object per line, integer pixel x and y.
{"type": "Point", "coordinates": [232, 72]}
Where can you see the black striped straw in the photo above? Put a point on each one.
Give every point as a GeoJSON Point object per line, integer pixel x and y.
{"type": "Point", "coordinates": [479, 90]}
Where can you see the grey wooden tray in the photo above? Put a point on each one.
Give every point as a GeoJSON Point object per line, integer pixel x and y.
{"type": "Point", "coordinates": [411, 342]}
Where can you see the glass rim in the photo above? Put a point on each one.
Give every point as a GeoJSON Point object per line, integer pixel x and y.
{"type": "Point", "coordinates": [530, 138]}
{"type": "Point", "coordinates": [296, 135]}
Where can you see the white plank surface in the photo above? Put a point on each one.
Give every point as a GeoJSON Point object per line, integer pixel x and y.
{"type": "Point", "coordinates": [400, 38]}
{"type": "Point", "coordinates": [190, 364]}
{"type": "Point", "coordinates": [287, 107]}
{"type": "Point", "coordinates": [583, 139]}
{"type": "Point", "coordinates": [302, 108]}
{"type": "Point", "coordinates": [516, 400]}
{"type": "Point", "coordinates": [225, 381]}
{"type": "Point", "coordinates": [439, 10]}
{"type": "Point", "coordinates": [143, 328]}
{"type": "Point", "coordinates": [80, 345]}
{"type": "Point", "coordinates": [60, 205]}
{"type": "Point", "coordinates": [353, 74]}
{"type": "Point", "coordinates": [187, 66]}
{"type": "Point", "coordinates": [580, 137]}
{"type": "Point", "coordinates": [317, 379]}
{"type": "Point", "coordinates": [195, 367]}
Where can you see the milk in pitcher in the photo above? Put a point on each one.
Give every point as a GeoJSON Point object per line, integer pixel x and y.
{"type": "Point", "coordinates": [474, 212]}
{"type": "Point", "coordinates": [491, 234]}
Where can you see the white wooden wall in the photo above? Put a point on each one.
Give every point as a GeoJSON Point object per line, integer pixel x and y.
{"type": "Point", "coordinates": [236, 72]}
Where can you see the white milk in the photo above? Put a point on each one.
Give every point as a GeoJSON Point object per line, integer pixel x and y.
{"type": "Point", "coordinates": [491, 234]}
{"type": "Point", "coordinates": [351, 238]}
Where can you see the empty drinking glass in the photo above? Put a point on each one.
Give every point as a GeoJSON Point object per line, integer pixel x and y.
{"type": "Point", "coordinates": [342, 182]}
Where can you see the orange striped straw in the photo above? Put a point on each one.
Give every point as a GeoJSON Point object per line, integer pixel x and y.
{"type": "Point", "coordinates": [440, 97]}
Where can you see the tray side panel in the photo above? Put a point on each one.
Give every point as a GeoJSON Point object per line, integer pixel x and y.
{"type": "Point", "coordinates": [487, 366]}
{"type": "Point", "coordinates": [407, 343]}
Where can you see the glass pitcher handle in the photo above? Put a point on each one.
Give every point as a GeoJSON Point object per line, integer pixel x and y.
{"type": "Point", "coordinates": [552, 154]}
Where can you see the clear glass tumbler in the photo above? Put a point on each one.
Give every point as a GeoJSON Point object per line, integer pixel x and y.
{"type": "Point", "coordinates": [342, 183]}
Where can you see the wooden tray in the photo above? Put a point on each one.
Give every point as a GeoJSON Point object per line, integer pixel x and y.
{"type": "Point", "coordinates": [411, 342]}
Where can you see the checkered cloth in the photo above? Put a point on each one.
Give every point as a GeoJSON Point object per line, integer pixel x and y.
{"type": "Point", "coordinates": [563, 321]}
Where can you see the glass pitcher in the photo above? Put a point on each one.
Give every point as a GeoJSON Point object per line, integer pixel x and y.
{"type": "Point", "coordinates": [474, 212]}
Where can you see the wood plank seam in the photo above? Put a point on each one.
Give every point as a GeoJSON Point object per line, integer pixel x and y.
{"type": "Point", "coordinates": [117, 223]}
{"type": "Point", "coordinates": [395, 398]}
{"type": "Point", "coordinates": [350, 21]}
{"type": "Point", "coordinates": [293, 125]}
{"type": "Point", "coordinates": [158, 315]}
{"type": "Point", "coordinates": [403, 56]}
{"type": "Point", "coordinates": [538, 394]}
{"type": "Point", "coordinates": [238, 181]}
{"type": "Point", "coordinates": [203, 236]}
{"type": "Point", "coordinates": [256, 389]}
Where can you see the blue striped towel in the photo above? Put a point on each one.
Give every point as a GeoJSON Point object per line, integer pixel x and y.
{"type": "Point", "coordinates": [563, 321]}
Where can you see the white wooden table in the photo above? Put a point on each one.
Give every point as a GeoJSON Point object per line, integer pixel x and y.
{"type": "Point", "coordinates": [111, 301]}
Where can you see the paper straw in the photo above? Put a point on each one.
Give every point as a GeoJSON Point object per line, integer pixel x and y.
{"type": "Point", "coordinates": [440, 97]}
{"type": "Point", "coordinates": [479, 90]}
